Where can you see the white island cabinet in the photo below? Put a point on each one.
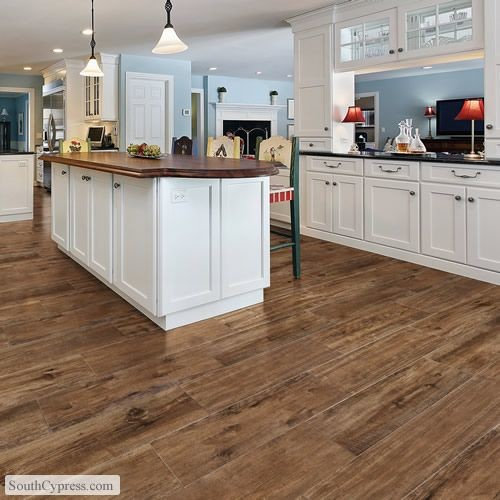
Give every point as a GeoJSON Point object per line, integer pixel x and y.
{"type": "Point", "coordinates": [16, 187]}
{"type": "Point", "coordinates": [180, 248]}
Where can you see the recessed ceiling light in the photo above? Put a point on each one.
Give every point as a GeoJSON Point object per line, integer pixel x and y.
{"type": "Point", "coordinates": [258, 72]}
{"type": "Point", "coordinates": [427, 67]}
{"type": "Point", "coordinates": [57, 51]}
{"type": "Point", "coordinates": [87, 32]}
{"type": "Point", "coordinates": [27, 68]}
{"type": "Point", "coordinates": [290, 76]}
{"type": "Point", "coordinates": [212, 69]}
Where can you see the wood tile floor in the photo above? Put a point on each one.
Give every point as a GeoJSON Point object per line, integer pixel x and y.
{"type": "Point", "coordinates": [369, 378]}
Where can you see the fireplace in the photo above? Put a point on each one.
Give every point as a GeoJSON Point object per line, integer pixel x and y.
{"type": "Point", "coordinates": [248, 131]}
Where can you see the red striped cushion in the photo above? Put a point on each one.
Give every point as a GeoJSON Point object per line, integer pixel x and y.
{"type": "Point", "coordinates": [280, 194]}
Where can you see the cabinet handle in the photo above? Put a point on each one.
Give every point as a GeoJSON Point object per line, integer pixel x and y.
{"type": "Point", "coordinates": [392, 51]}
{"type": "Point", "coordinates": [412, 193]}
{"type": "Point", "coordinates": [388, 170]}
{"type": "Point", "coordinates": [327, 183]}
{"type": "Point", "coordinates": [489, 126]}
{"type": "Point", "coordinates": [334, 183]}
{"type": "Point", "coordinates": [326, 129]}
{"type": "Point", "coordinates": [88, 178]}
{"type": "Point", "coordinates": [63, 172]}
{"type": "Point", "coordinates": [332, 166]}
{"type": "Point", "coordinates": [400, 49]}
{"type": "Point", "coordinates": [471, 199]}
{"type": "Point", "coordinates": [116, 185]}
{"type": "Point", "coordinates": [458, 197]}
{"type": "Point", "coordinates": [311, 145]}
{"type": "Point", "coordinates": [83, 177]}
{"type": "Point", "coordinates": [465, 176]}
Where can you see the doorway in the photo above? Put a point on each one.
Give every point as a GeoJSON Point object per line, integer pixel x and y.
{"type": "Point", "coordinates": [198, 121]}
{"type": "Point", "coordinates": [149, 109]}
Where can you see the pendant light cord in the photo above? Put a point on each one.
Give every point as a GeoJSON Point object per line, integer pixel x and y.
{"type": "Point", "coordinates": [168, 8]}
{"type": "Point", "coordinates": [92, 42]}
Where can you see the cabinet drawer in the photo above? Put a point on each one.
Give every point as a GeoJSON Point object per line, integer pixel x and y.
{"type": "Point", "coordinates": [336, 165]}
{"type": "Point", "coordinates": [460, 174]}
{"type": "Point", "coordinates": [403, 170]}
{"type": "Point", "coordinates": [317, 144]}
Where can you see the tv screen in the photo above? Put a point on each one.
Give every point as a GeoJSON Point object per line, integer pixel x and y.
{"type": "Point", "coordinates": [447, 125]}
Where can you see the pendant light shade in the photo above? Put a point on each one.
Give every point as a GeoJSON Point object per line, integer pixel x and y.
{"type": "Point", "coordinates": [169, 42]}
{"type": "Point", "coordinates": [92, 68]}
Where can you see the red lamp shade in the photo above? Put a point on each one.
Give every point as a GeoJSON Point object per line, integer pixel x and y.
{"type": "Point", "coordinates": [354, 115]}
{"type": "Point", "coordinates": [473, 109]}
{"type": "Point", "coordinates": [429, 112]}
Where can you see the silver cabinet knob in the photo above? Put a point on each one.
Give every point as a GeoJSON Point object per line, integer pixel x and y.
{"type": "Point", "coordinates": [392, 51]}
{"type": "Point", "coordinates": [471, 199]}
{"type": "Point", "coordinates": [489, 126]}
{"type": "Point", "coordinates": [412, 193]}
{"type": "Point", "coordinates": [327, 183]}
{"type": "Point", "coordinates": [311, 145]}
{"type": "Point", "coordinates": [326, 129]}
{"type": "Point", "coordinates": [116, 185]}
{"type": "Point", "coordinates": [400, 49]}
{"type": "Point", "coordinates": [334, 183]}
{"type": "Point", "coordinates": [458, 197]}
{"type": "Point", "coordinates": [63, 172]}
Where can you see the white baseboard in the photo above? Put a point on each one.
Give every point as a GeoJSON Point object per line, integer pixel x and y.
{"type": "Point", "coordinates": [16, 217]}
{"type": "Point", "coordinates": [414, 258]}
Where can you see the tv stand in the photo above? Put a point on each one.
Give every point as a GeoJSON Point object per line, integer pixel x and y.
{"type": "Point", "coordinates": [453, 144]}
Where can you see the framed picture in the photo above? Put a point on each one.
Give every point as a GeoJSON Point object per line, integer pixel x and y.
{"type": "Point", "coordinates": [291, 131]}
{"type": "Point", "coordinates": [291, 109]}
{"type": "Point", "coordinates": [20, 123]}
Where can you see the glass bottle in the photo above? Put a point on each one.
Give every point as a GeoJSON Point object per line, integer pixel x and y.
{"type": "Point", "coordinates": [417, 146]}
{"type": "Point", "coordinates": [403, 139]}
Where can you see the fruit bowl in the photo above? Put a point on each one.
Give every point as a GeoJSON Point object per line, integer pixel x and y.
{"type": "Point", "coordinates": [150, 152]}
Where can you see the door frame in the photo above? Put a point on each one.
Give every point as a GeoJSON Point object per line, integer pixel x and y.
{"type": "Point", "coordinates": [201, 120]}
{"type": "Point", "coordinates": [29, 122]}
{"type": "Point", "coordinates": [376, 97]}
{"type": "Point", "coordinates": [169, 103]}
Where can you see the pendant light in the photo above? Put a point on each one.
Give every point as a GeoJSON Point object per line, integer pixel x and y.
{"type": "Point", "coordinates": [169, 42]}
{"type": "Point", "coordinates": [92, 68]}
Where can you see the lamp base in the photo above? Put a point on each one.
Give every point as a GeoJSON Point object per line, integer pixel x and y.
{"type": "Point", "coordinates": [472, 156]}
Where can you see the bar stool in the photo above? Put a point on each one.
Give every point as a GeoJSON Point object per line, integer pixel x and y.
{"type": "Point", "coordinates": [224, 147]}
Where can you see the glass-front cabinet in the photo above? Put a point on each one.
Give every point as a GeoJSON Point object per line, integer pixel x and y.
{"type": "Point", "coordinates": [433, 28]}
{"type": "Point", "coordinates": [367, 40]}
{"type": "Point", "coordinates": [92, 98]}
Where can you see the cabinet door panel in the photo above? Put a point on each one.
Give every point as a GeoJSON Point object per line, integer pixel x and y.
{"type": "Point", "coordinates": [444, 221]}
{"type": "Point", "coordinates": [348, 206]}
{"type": "Point", "coordinates": [135, 239]}
{"type": "Point", "coordinates": [483, 216]}
{"type": "Point", "coordinates": [314, 113]}
{"type": "Point", "coordinates": [190, 271]}
{"type": "Point", "coordinates": [245, 227]}
{"type": "Point", "coordinates": [101, 224]}
{"type": "Point", "coordinates": [392, 213]}
{"type": "Point", "coordinates": [60, 205]}
{"type": "Point", "coordinates": [319, 201]}
{"type": "Point", "coordinates": [313, 56]}
{"type": "Point", "coordinates": [79, 214]}
{"type": "Point", "coordinates": [16, 186]}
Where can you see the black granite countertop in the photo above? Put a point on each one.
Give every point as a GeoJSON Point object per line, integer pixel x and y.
{"type": "Point", "coordinates": [428, 157]}
{"type": "Point", "coordinates": [14, 152]}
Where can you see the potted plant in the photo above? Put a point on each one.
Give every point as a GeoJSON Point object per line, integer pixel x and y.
{"type": "Point", "coordinates": [274, 97]}
{"type": "Point", "coordinates": [221, 91]}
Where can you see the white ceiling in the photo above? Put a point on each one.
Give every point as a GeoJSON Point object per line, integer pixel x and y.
{"type": "Point", "coordinates": [239, 37]}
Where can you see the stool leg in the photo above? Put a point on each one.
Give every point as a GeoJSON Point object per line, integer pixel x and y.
{"type": "Point", "coordinates": [295, 215]}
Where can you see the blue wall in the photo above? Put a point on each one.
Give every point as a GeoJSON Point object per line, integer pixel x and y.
{"type": "Point", "coordinates": [406, 97]}
{"type": "Point", "coordinates": [14, 106]}
{"type": "Point", "coordinates": [180, 70]}
{"type": "Point", "coordinates": [29, 82]}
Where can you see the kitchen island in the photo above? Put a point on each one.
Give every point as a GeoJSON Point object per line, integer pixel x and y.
{"type": "Point", "coordinates": [181, 238]}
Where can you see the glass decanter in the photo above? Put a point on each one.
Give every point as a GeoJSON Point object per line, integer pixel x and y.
{"type": "Point", "coordinates": [416, 145]}
{"type": "Point", "coordinates": [403, 139]}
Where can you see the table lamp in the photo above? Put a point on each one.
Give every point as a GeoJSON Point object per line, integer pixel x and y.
{"type": "Point", "coordinates": [473, 109]}
{"type": "Point", "coordinates": [4, 115]}
{"type": "Point", "coordinates": [354, 115]}
{"type": "Point", "coordinates": [430, 113]}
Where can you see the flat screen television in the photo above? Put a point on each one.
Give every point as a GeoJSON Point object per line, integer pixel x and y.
{"type": "Point", "coordinates": [447, 125]}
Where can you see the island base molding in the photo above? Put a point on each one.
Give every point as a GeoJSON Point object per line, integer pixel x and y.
{"type": "Point", "coordinates": [395, 253]}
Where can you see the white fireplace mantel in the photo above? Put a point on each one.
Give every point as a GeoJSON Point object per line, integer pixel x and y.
{"type": "Point", "coordinates": [250, 112]}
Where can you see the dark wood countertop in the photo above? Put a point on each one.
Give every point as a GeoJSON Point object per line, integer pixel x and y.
{"type": "Point", "coordinates": [169, 166]}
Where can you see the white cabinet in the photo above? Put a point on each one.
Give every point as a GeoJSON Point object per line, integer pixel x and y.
{"type": "Point", "coordinates": [60, 205]}
{"type": "Point", "coordinates": [483, 216]}
{"type": "Point", "coordinates": [444, 233]}
{"type": "Point", "coordinates": [101, 94]}
{"type": "Point", "coordinates": [319, 211]}
{"type": "Point", "coordinates": [79, 214]}
{"type": "Point", "coordinates": [367, 40]}
{"type": "Point", "coordinates": [190, 276]}
{"type": "Point", "coordinates": [348, 205]}
{"type": "Point", "coordinates": [16, 187]}
{"type": "Point", "coordinates": [245, 238]}
{"type": "Point", "coordinates": [392, 213]}
{"type": "Point", "coordinates": [440, 27]}
{"type": "Point", "coordinates": [135, 239]}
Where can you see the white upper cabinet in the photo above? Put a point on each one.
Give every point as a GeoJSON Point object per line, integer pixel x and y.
{"type": "Point", "coordinates": [430, 28]}
{"type": "Point", "coordinates": [367, 40]}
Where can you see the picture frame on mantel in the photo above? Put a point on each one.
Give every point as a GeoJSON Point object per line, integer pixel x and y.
{"type": "Point", "coordinates": [290, 104]}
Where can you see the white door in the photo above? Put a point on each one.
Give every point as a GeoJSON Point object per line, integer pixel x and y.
{"type": "Point", "coordinates": [101, 224]}
{"type": "Point", "coordinates": [190, 275]}
{"type": "Point", "coordinates": [314, 61]}
{"type": "Point", "coordinates": [492, 78]}
{"type": "Point", "coordinates": [79, 213]}
{"type": "Point", "coordinates": [392, 213]}
{"type": "Point", "coordinates": [319, 201]}
{"type": "Point", "coordinates": [146, 111]}
{"type": "Point", "coordinates": [245, 235]}
{"type": "Point", "coordinates": [135, 239]}
{"type": "Point", "coordinates": [16, 186]}
{"type": "Point", "coordinates": [483, 216]}
{"type": "Point", "coordinates": [348, 206]}
{"type": "Point", "coordinates": [60, 205]}
{"type": "Point", "coordinates": [444, 210]}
